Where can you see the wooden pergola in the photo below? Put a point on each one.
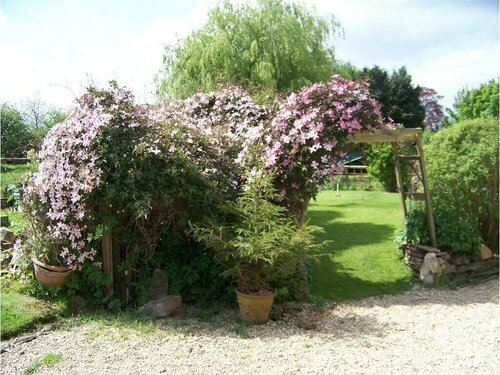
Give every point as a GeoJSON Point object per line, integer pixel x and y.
{"type": "Point", "coordinates": [412, 136]}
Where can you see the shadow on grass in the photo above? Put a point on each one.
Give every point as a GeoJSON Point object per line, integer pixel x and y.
{"type": "Point", "coordinates": [368, 248]}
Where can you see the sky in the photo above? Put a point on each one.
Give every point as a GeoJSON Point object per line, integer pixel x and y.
{"type": "Point", "coordinates": [54, 48]}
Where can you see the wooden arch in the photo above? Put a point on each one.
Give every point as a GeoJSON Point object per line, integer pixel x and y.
{"type": "Point", "coordinates": [394, 137]}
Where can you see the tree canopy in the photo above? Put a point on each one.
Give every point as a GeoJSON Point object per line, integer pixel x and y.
{"type": "Point", "coordinates": [15, 134]}
{"type": "Point", "coordinates": [399, 97]}
{"type": "Point", "coordinates": [272, 46]}
{"type": "Point", "coordinates": [476, 103]}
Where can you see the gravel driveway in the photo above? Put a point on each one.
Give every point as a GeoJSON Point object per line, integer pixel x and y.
{"type": "Point", "coordinates": [425, 331]}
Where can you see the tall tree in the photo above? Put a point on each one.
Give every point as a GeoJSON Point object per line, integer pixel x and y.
{"type": "Point", "coordinates": [34, 112]}
{"type": "Point", "coordinates": [399, 97]}
{"type": "Point", "coordinates": [15, 134]}
{"type": "Point", "coordinates": [429, 98]}
{"type": "Point", "coordinates": [482, 102]}
{"type": "Point", "coordinates": [272, 46]}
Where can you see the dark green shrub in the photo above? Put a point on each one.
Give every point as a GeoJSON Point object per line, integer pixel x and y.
{"type": "Point", "coordinates": [462, 165]}
{"type": "Point", "coordinates": [454, 233]}
{"type": "Point", "coordinates": [381, 166]}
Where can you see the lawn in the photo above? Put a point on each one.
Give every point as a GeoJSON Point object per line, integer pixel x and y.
{"type": "Point", "coordinates": [362, 259]}
{"type": "Point", "coordinates": [20, 312]}
{"type": "Point", "coordinates": [15, 172]}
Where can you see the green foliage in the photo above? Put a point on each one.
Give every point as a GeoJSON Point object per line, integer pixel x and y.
{"type": "Point", "coordinates": [193, 271]}
{"type": "Point", "coordinates": [463, 166]}
{"type": "Point", "coordinates": [271, 46]}
{"type": "Point", "coordinates": [400, 102]}
{"type": "Point", "coordinates": [399, 97]}
{"type": "Point", "coordinates": [48, 360]}
{"type": "Point", "coordinates": [454, 233]}
{"type": "Point", "coordinates": [482, 102]}
{"type": "Point", "coordinates": [381, 166]}
{"type": "Point", "coordinates": [16, 135]}
{"type": "Point", "coordinates": [261, 244]}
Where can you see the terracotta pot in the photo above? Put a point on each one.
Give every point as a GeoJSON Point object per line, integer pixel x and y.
{"type": "Point", "coordinates": [255, 308]}
{"type": "Point", "coordinates": [48, 275]}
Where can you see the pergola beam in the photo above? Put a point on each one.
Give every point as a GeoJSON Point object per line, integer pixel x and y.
{"type": "Point", "coordinates": [386, 135]}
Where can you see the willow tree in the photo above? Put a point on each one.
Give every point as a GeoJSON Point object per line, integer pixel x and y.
{"type": "Point", "coordinates": [270, 46]}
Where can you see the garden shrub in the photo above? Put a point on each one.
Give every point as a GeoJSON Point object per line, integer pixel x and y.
{"type": "Point", "coordinates": [463, 166]}
{"type": "Point", "coordinates": [137, 172]}
{"type": "Point", "coordinates": [454, 233]}
{"type": "Point", "coordinates": [380, 165]}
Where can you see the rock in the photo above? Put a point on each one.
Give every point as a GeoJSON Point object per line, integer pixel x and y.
{"type": "Point", "coordinates": [485, 252]}
{"type": "Point", "coordinates": [307, 324]}
{"type": "Point", "coordinates": [159, 285]}
{"type": "Point", "coordinates": [431, 269]}
{"type": "Point", "coordinates": [6, 235]}
{"type": "Point", "coordinates": [165, 306]}
{"type": "Point", "coordinates": [457, 259]}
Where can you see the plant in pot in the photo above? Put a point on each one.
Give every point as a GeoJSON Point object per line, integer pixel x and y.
{"type": "Point", "coordinates": [38, 245]}
{"type": "Point", "coordinates": [260, 244]}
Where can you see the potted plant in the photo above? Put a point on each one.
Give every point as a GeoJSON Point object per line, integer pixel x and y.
{"type": "Point", "coordinates": [43, 250]}
{"type": "Point", "coordinates": [260, 244]}
{"type": "Point", "coordinates": [48, 271]}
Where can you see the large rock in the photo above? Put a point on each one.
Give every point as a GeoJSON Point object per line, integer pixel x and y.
{"type": "Point", "coordinates": [484, 252]}
{"type": "Point", "coordinates": [431, 269]}
{"type": "Point", "coordinates": [165, 306]}
{"type": "Point", "coordinates": [159, 285]}
{"type": "Point", "coordinates": [6, 235]}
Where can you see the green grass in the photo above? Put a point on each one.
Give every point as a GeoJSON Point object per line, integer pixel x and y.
{"type": "Point", "coordinates": [14, 173]}
{"type": "Point", "coordinates": [20, 312]}
{"type": "Point", "coordinates": [48, 359]}
{"type": "Point", "coordinates": [362, 259]}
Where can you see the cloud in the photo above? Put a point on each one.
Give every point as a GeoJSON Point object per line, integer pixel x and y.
{"type": "Point", "coordinates": [445, 45]}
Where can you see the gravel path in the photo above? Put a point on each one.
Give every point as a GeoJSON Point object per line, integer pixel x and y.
{"type": "Point", "coordinates": [425, 331]}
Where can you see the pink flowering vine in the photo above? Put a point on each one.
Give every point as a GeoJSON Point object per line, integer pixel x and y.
{"type": "Point", "coordinates": [307, 139]}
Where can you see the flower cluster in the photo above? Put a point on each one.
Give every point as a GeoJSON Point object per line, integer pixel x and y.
{"type": "Point", "coordinates": [71, 168]}
{"type": "Point", "coordinates": [228, 122]}
{"type": "Point", "coordinates": [307, 139]}
{"type": "Point", "coordinates": [133, 166]}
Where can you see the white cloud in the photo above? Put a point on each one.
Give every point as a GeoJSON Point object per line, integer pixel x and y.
{"type": "Point", "coordinates": [445, 45]}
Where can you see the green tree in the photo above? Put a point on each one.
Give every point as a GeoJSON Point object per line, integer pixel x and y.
{"type": "Point", "coordinates": [400, 101]}
{"type": "Point", "coordinates": [272, 46]}
{"type": "Point", "coordinates": [15, 135]}
{"type": "Point", "coordinates": [399, 97]}
{"type": "Point", "coordinates": [476, 103]}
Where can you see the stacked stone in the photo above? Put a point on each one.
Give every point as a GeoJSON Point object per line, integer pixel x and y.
{"type": "Point", "coordinates": [414, 257]}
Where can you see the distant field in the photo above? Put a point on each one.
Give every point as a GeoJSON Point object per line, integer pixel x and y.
{"type": "Point", "coordinates": [362, 260]}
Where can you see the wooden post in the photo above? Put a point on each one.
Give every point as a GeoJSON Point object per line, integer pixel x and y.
{"type": "Point", "coordinates": [107, 258]}
{"type": "Point", "coordinates": [399, 178]}
{"type": "Point", "coordinates": [430, 215]}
